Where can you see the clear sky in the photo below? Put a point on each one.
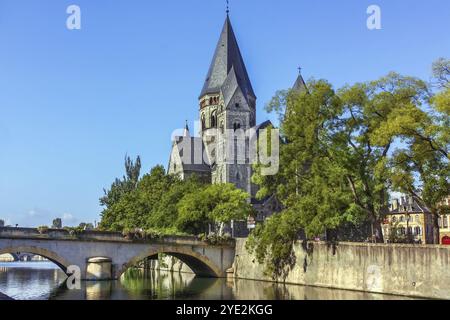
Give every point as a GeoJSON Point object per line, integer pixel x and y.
{"type": "Point", "coordinates": [74, 102]}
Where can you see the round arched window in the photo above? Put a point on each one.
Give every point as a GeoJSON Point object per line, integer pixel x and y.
{"type": "Point", "coordinates": [203, 123]}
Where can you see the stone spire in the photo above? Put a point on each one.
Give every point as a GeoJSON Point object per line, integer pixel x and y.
{"type": "Point", "coordinates": [227, 58]}
{"type": "Point", "coordinates": [300, 84]}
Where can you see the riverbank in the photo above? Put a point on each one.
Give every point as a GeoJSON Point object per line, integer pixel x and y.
{"type": "Point", "coordinates": [405, 270]}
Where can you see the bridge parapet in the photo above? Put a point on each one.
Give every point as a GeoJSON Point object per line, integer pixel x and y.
{"type": "Point", "coordinates": [102, 236]}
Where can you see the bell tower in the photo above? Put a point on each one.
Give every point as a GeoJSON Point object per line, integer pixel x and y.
{"type": "Point", "coordinates": [227, 109]}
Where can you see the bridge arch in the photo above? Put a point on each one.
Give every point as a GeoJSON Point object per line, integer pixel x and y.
{"type": "Point", "coordinates": [200, 264]}
{"type": "Point", "coordinates": [50, 255]}
{"type": "Point", "coordinates": [12, 255]}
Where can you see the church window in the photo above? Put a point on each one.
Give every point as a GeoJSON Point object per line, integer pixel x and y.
{"type": "Point", "coordinates": [203, 123]}
{"type": "Point", "coordinates": [213, 121]}
{"type": "Point", "coordinates": [210, 100]}
{"type": "Point", "coordinates": [221, 127]}
{"type": "Point", "coordinates": [237, 105]}
{"type": "Point", "coordinates": [236, 126]}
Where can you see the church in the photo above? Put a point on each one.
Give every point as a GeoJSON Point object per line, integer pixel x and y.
{"type": "Point", "coordinates": [227, 110]}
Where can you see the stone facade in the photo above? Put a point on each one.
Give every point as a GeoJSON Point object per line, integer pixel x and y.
{"type": "Point", "coordinates": [227, 109]}
{"type": "Point", "coordinates": [222, 153]}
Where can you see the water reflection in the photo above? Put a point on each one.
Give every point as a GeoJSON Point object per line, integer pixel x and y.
{"type": "Point", "coordinates": [29, 280]}
{"type": "Point", "coordinates": [43, 280]}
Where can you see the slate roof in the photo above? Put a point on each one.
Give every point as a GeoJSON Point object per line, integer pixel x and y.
{"type": "Point", "coordinates": [227, 63]}
{"type": "Point", "coordinates": [408, 205]}
{"type": "Point", "coordinates": [300, 84]}
{"type": "Point", "coordinates": [191, 150]}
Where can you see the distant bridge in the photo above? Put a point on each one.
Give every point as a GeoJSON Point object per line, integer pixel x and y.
{"type": "Point", "coordinates": [19, 256]}
{"type": "Point", "coordinates": [66, 249]}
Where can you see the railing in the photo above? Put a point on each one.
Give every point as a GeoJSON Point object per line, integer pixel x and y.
{"type": "Point", "coordinates": [93, 235]}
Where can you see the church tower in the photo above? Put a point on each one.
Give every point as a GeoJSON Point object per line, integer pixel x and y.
{"type": "Point", "coordinates": [227, 110]}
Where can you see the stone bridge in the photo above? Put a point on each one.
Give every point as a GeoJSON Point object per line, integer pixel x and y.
{"type": "Point", "coordinates": [67, 249]}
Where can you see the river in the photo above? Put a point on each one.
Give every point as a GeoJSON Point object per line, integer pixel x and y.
{"type": "Point", "coordinates": [45, 281]}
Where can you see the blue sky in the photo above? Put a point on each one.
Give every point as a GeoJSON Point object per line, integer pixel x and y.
{"type": "Point", "coordinates": [74, 102]}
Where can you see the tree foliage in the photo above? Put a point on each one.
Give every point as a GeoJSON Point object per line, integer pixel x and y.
{"type": "Point", "coordinates": [164, 203]}
{"type": "Point", "coordinates": [215, 204]}
{"type": "Point", "coordinates": [345, 150]}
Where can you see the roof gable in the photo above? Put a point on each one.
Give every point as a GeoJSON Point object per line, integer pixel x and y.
{"type": "Point", "coordinates": [227, 56]}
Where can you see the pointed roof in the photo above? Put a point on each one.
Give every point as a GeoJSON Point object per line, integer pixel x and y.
{"type": "Point", "coordinates": [227, 56]}
{"type": "Point", "coordinates": [300, 84]}
{"type": "Point", "coordinates": [186, 130]}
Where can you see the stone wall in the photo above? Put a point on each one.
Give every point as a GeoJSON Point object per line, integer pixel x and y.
{"type": "Point", "coordinates": [169, 263]}
{"type": "Point", "coordinates": [411, 270]}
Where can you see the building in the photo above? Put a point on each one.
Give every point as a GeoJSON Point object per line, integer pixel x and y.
{"type": "Point", "coordinates": [226, 102]}
{"type": "Point", "coordinates": [408, 221]}
{"type": "Point", "coordinates": [227, 117]}
{"type": "Point", "coordinates": [444, 225]}
{"type": "Point", "coordinates": [407, 218]}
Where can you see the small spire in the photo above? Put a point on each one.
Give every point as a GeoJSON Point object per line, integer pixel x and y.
{"type": "Point", "coordinates": [300, 85]}
{"type": "Point", "coordinates": [186, 130]}
{"type": "Point", "coordinates": [228, 7]}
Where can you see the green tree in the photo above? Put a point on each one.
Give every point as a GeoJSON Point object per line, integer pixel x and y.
{"type": "Point", "coordinates": [215, 204]}
{"type": "Point", "coordinates": [310, 183]}
{"type": "Point", "coordinates": [166, 211]}
{"type": "Point", "coordinates": [421, 168]}
{"type": "Point", "coordinates": [369, 127]}
{"type": "Point", "coordinates": [336, 159]}
{"type": "Point", "coordinates": [122, 186]}
{"type": "Point", "coordinates": [85, 226]}
{"type": "Point", "coordinates": [119, 189]}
